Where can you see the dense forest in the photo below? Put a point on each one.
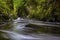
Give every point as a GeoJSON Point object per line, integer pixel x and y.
{"type": "Point", "coordinates": [44, 10]}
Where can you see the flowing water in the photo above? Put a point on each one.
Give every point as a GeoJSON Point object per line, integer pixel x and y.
{"type": "Point", "coordinates": [17, 30]}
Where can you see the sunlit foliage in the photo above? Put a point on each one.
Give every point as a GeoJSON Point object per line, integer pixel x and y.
{"type": "Point", "coordinates": [46, 10]}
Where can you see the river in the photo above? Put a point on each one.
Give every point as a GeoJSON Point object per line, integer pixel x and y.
{"type": "Point", "coordinates": [17, 30]}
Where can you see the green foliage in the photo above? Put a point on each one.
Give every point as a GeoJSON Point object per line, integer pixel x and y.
{"type": "Point", "coordinates": [44, 9]}
{"type": "Point", "coordinates": [38, 9]}
{"type": "Point", "coordinates": [17, 4]}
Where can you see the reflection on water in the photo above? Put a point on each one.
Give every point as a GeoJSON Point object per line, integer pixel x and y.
{"type": "Point", "coordinates": [17, 36]}
{"type": "Point", "coordinates": [19, 31]}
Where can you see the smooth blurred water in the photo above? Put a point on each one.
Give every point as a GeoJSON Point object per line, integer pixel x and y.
{"type": "Point", "coordinates": [17, 30]}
